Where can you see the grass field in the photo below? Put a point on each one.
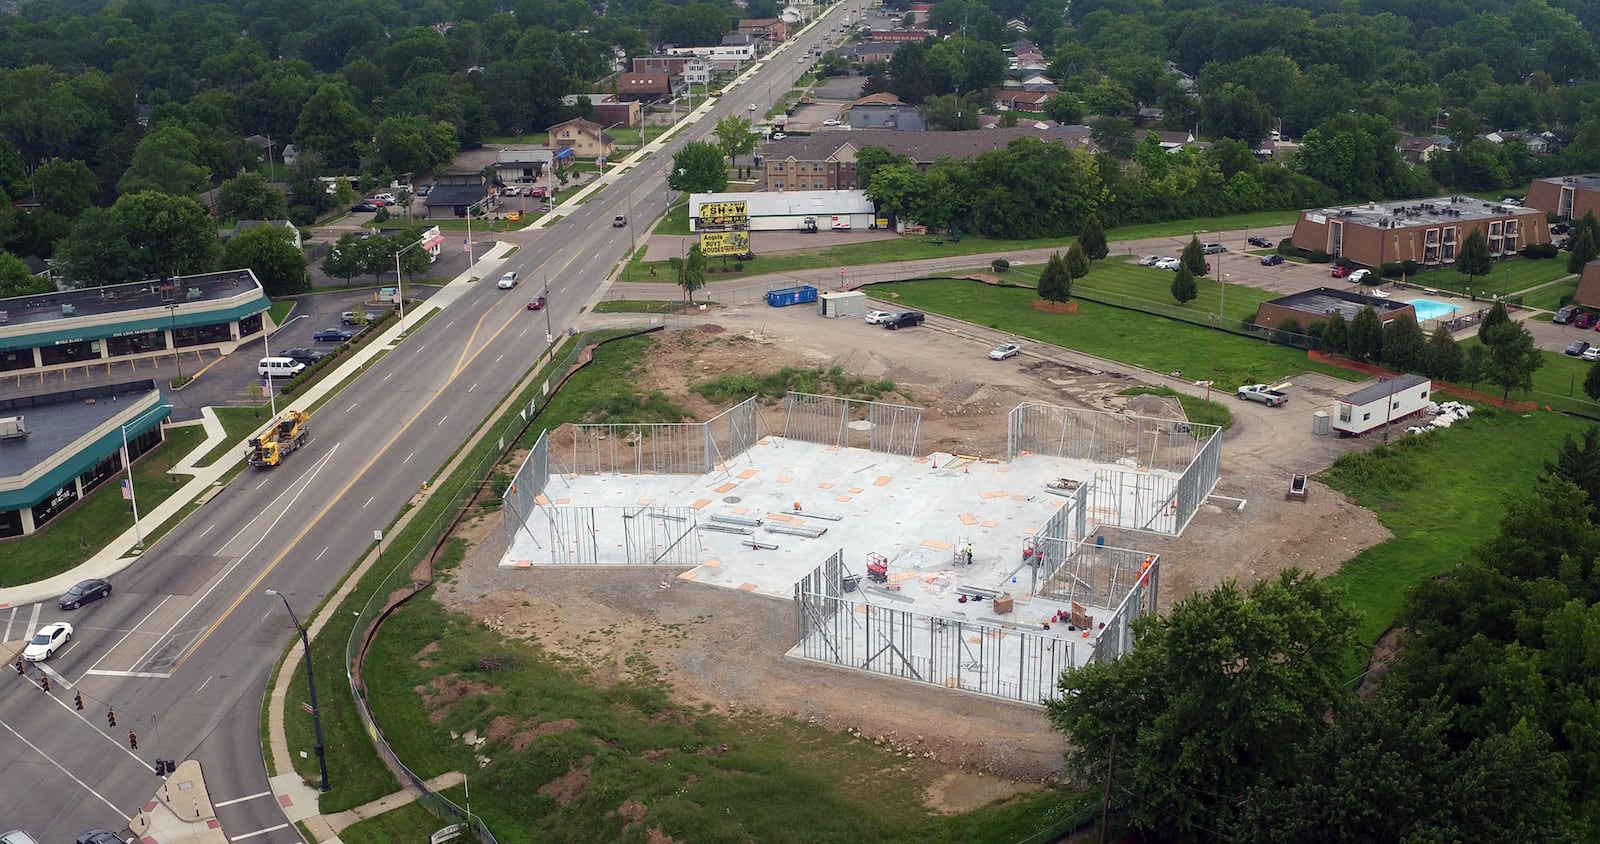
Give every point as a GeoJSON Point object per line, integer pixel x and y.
{"type": "Point", "coordinates": [408, 823]}
{"type": "Point", "coordinates": [1509, 277]}
{"type": "Point", "coordinates": [1130, 285]}
{"type": "Point", "coordinates": [69, 539]}
{"type": "Point", "coordinates": [1442, 495]}
{"type": "Point", "coordinates": [1157, 344]}
{"type": "Point", "coordinates": [1551, 296]}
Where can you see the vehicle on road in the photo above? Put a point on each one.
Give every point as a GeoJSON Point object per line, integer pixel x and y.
{"type": "Point", "coordinates": [287, 435]}
{"type": "Point", "coordinates": [1340, 272]}
{"type": "Point", "coordinates": [332, 335]}
{"type": "Point", "coordinates": [1271, 260]}
{"type": "Point", "coordinates": [1213, 248]}
{"type": "Point", "coordinates": [536, 304]}
{"type": "Point", "coordinates": [507, 281]}
{"type": "Point", "coordinates": [1005, 350]}
{"type": "Point", "coordinates": [304, 355]}
{"type": "Point", "coordinates": [904, 320]}
{"type": "Point", "coordinates": [1263, 393]}
{"type": "Point", "coordinates": [1257, 240]}
{"type": "Point", "coordinates": [84, 592]}
{"type": "Point", "coordinates": [1576, 348]}
{"type": "Point", "coordinates": [878, 317]}
{"type": "Point", "coordinates": [1149, 260]}
{"type": "Point", "coordinates": [832, 121]}
{"type": "Point", "coordinates": [1358, 276]}
{"type": "Point", "coordinates": [45, 643]}
{"type": "Point", "coordinates": [17, 836]}
{"type": "Point", "coordinates": [1565, 315]}
{"type": "Point", "coordinates": [619, 221]}
{"type": "Point", "coordinates": [99, 836]}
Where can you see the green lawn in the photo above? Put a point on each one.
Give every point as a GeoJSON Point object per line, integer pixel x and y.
{"type": "Point", "coordinates": [1558, 383]}
{"type": "Point", "coordinates": [1442, 495]}
{"type": "Point", "coordinates": [1551, 296]}
{"type": "Point", "coordinates": [1118, 282]}
{"type": "Point", "coordinates": [1509, 276]}
{"type": "Point", "coordinates": [639, 306]}
{"type": "Point", "coordinates": [1138, 339]}
{"type": "Point", "coordinates": [69, 539]}
{"type": "Point", "coordinates": [408, 824]}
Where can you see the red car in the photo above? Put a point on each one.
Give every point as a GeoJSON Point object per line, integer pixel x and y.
{"type": "Point", "coordinates": [537, 304]}
{"type": "Point", "coordinates": [1341, 272]}
{"type": "Point", "coordinates": [1584, 321]}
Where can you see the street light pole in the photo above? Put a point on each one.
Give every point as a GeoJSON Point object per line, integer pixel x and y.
{"type": "Point", "coordinates": [399, 279]}
{"type": "Point", "coordinates": [316, 714]}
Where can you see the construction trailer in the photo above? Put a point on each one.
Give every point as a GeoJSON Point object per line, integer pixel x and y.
{"type": "Point", "coordinates": [852, 304]}
{"type": "Point", "coordinates": [285, 436]}
{"type": "Point", "coordinates": [1382, 403]}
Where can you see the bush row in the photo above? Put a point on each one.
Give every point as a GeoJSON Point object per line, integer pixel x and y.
{"type": "Point", "coordinates": [314, 371]}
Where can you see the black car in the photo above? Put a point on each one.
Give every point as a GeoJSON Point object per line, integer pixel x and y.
{"type": "Point", "coordinates": [363, 206]}
{"type": "Point", "coordinates": [99, 836]}
{"type": "Point", "coordinates": [305, 354]}
{"type": "Point", "coordinates": [337, 335]}
{"type": "Point", "coordinates": [86, 592]}
{"type": "Point", "coordinates": [907, 319]}
{"type": "Point", "coordinates": [424, 190]}
{"type": "Point", "coordinates": [1577, 348]}
{"type": "Point", "coordinates": [1259, 241]}
{"type": "Point", "coordinates": [1271, 260]}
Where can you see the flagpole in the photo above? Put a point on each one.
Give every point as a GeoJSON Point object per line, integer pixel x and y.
{"type": "Point", "coordinates": [127, 460]}
{"type": "Point", "coordinates": [272, 395]}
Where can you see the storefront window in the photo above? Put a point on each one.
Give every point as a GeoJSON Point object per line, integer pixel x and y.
{"type": "Point", "coordinates": [75, 352]}
{"type": "Point", "coordinates": [250, 325]}
{"type": "Point", "coordinates": [99, 472]}
{"type": "Point", "coordinates": [207, 334]}
{"type": "Point", "coordinates": [16, 359]}
{"type": "Point", "coordinates": [11, 523]}
{"type": "Point", "coordinates": [137, 344]}
{"type": "Point", "coordinates": [49, 508]}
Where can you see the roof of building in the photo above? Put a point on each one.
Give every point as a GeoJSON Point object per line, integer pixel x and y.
{"type": "Point", "coordinates": [444, 195]}
{"type": "Point", "coordinates": [1587, 181]}
{"type": "Point", "coordinates": [1421, 212]}
{"type": "Point", "coordinates": [921, 147]}
{"type": "Point", "coordinates": [793, 202]}
{"type": "Point", "coordinates": [880, 98]}
{"type": "Point", "coordinates": [137, 295]}
{"type": "Point", "coordinates": [1325, 301]}
{"type": "Point", "coordinates": [57, 419]}
{"type": "Point", "coordinates": [1368, 395]}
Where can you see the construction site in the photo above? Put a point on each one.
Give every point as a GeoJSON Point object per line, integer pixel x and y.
{"type": "Point", "coordinates": [983, 573]}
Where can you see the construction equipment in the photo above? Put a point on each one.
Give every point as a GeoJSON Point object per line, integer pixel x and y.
{"type": "Point", "coordinates": [877, 568]}
{"type": "Point", "coordinates": [286, 435]}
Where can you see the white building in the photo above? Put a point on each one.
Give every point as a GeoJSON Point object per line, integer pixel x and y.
{"type": "Point", "coordinates": [1373, 407]}
{"type": "Point", "coordinates": [831, 210]}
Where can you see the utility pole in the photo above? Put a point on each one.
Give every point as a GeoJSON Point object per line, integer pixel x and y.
{"type": "Point", "coordinates": [1105, 809]}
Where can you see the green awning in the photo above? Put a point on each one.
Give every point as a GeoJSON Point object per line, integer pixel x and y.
{"type": "Point", "coordinates": [186, 316]}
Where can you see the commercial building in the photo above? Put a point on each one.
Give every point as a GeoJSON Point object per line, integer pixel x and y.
{"type": "Point", "coordinates": [72, 328]}
{"type": "Point", "coordinates": [1427, 231]}
{"type": "Point", "coordinates": [837, 210]}
{"type": "Point", "coordinates": [827, 160]}
{"type": "Point", "coordinates": [1567, 197]}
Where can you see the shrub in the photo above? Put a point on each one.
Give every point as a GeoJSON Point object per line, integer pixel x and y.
{"type": "Point", "coordinates": [1000, 265]}
{"type": "Point", "coordinates": [1410, 266]}
{"type": "Point", "coordinates": [1391, 270]}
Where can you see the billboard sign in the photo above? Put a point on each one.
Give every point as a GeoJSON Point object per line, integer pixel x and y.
{"type": "Point", "coordinates": [713, 244]}
{"type": "Point", "coordinates": [724, 215]}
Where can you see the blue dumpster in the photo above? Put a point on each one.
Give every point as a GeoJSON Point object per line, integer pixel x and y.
{"type": "Point", "coordinates": [791, 296]}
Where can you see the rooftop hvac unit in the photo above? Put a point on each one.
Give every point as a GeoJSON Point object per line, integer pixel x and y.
{"type": "Point", "coordinates": [11, 428]}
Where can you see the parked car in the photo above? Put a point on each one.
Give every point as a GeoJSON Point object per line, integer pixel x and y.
{"type": "Point", "coordinates": [45, 643]}
{"type": "Point", "coordinates": [1358, 276]}
{"type": "Point", "coordinates": [350, 318]}
{"type": "Point", "coordinates": [1168, 264]}
{"type": "Point", "coordinates": [85, 592]}
{"type": "Point", "coordinates": [1271, 260]}
{"type": "Point", "coordinates": [536, 304]}
{"type": "Point", "coordinates": [1560, 228]}
{"type": "Point", "coordinates": [99, 836]}
{"type": "Point", "coordinates": [750, 107]}
{"type": "Point", "coordinates": [1005, 350]}
{"type": "Point", "coordinates": [1565, 315]}
{"type": "Point", "coordinates": [878, 317]}
{"type": "Point", "coordinates": [424, 190]}
{"type": "Point", "coordinates": [1576, 348]}
{"type": "Point", "coordinates": [832, 121]}
{"type": "Point", "coordinates": [904, 320]}
{"type": "Point", "coordinates": [1263, 393]}
{"type": "Point", "coordinates": [511, 191]}
{"type": "Point", "coordinates": [1585, 321]}
{"type": "Point", "coordinates": [1341, 271]}
{"type": "Point", "coordinates": [362, 206]}
{"type": "Point", "coordinates": [335, 335]}
{"type": "Point", "coordinates": [1257, 240]}
{"type": "Point", "coordinates": [1213, 248]}
{"type": "Point", "coordinates": [1149, 260]}
{"type": "Point", "coordinates": [538, 192]}
{"type": "Point", "coordinates": [17, 836]}
{"type": "Point", "coordinates": [304, 354]}
{"type": "Point", "coordinates": [386, 198]}
{"type": "Point", "coordinates": [1591, 354]}
{"type": "Point", "coordinates": [778, 136]}
{"type": "Point", "coordinates": [507, 281]}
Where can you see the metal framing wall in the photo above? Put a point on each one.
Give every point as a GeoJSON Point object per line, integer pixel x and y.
{"type": "Point", "coordinates": [1055, 542]}
{"type": "Point", "coordinates": [1117, 637]}
{"type": "Point", "coordinates": [667, 448]}
{"type": "Point", "coordinates": [527, 487]}
{"type": "Point", "coordinates": [620, 536]}
{"type": "Point", "coordinates": [833, 421]}
{"type": "Point", "coordinates": [985, 659]}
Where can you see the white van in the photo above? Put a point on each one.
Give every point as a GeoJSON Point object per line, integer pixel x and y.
{"type": "Point", "coordinates": [279, 367]}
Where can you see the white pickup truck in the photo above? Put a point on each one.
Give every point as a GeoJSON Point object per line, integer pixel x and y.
{"type": "Point", "coordinates": [1265, 394]}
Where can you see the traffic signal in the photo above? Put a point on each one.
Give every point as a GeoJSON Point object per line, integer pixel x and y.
{"type": "Point", "coordinates": [111, 717]}
{"type": "Point", "coordinates": [165, 766]}
{"type": "Point", "coordinates": [133, 740]}
{"type": "Point", "coordinates": [44, 682]}
{"type": "Point", "coordinates": [77, 701]}
{"type": "Point", "coordinates": [20, 669]}
{"type": "Point", "coordinates": [160, 766]}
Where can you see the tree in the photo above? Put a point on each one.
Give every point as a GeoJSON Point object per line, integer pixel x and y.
{"type": "Point", "coordinates": [411, 144]}
{"type": "Point", "coordinates": [1496, 315]}
{"type": "Point", "coordinates": [689, 272]}
{"type": "Point", "coordinates": [248, 196]}
{"type": "Point", "coordinates": [65, 187]}
{"type": "Point", "coordinates": [1233, 111]}
{"type": "Point", "coordinates": [344, 258]}
{"type": "Point", "coordinates": [1209, 703]}
{"type": "Point", "coordinates": [1113, 135]}
{"type": "Point", "coordinates": [1365, 338]}
{"type": "Point", "coordinates": [1194, 257]}
{"type": "Point", "coordinates": [900, 190]}
{"type": "Point", "coordinates": [1184, 288]}
{"type": "Point", "coordinates": [1584, 250]}
{"type": "Point", "coordinates": [270, 253]}
{"type": "Point", "coordinates": [1055, 282]}
{"type": "Point", "coordinates": [1093, 239]}
{"type": "Point", "coordinates": [1404, 345]}
{"type": "Point", "coordinates": [1473, 259]}
{"type": "Point", "coordinates": [1510, 357]}
{"type": "Point", "coordinates": [1077, 262]}
{"type": "Point", "coordinates": [17, 280]}
{"type": "Point", "coordinates": [1591, 382]}
{"type": "Point", "coordinates": [1336, 334]}
{"type": "Point", "coordinates": [165, 162]}
{"type": "Point", "coordinates": [1578, 461]}
{"type": "Point", "coordinates": [734, 137]}
{"type": "Point", "coordinates": [1443, 359]}
{"type": "Point", "coordinates": [698, 168]}
{"type": "Point", "coordinates": [331, 124]}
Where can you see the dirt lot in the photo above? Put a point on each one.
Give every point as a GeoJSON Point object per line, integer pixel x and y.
{"type": "Point", "coordinates": [725, 649]}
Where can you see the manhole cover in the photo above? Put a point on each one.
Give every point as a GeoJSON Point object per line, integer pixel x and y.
{"type": "Point", "coordinates": [732, 499]}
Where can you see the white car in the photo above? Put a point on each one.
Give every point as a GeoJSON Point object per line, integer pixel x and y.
{"type": "Point", "coordinates": [1358, 276]}
{"type": "Point", "coordinates": [878, 317]}
{"type": "Point", "coordinates": [750, 107]}
{"type": "Point", "coordinates": [1592, 353]}
{"type": "Point", "coordinates": [507, 281]}
{"type": "Point", "coordinates": [1005, 350]}
{"type": "Point", "coordinates": [386, 197]}
{"type": "Point", "coordinates": [1168, 264]}
{"type": "Point", "coordinates": [778, 136]}
{"type": "Point", "coordinates": [45, 643]}
{"type": "Point", "coordinates": [1149, 260]}
{"type": "Point", "coordinates": [832, 121]}
{"type": "Point", "coordinates": [512, 191]}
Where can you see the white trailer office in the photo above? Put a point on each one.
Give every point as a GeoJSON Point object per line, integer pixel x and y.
{"type": "Point", "coordinates": [1380, 404]}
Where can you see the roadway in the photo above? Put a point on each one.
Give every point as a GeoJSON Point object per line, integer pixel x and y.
{"type": "Point", "coordinates": [182, 651]}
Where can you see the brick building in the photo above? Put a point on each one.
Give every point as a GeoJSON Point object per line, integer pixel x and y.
{"type": "Point", "coordinates": [1567, 197]}
{"type": "Point", "coordinates": [1428, 231]}
{"type": "Point", "coordinates": [1313, 306]}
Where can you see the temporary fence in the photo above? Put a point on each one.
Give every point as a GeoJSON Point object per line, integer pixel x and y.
{"type": "Point", "coordinates": [944, 651]}
{"type": "Point", "coordinates": [852, 423]}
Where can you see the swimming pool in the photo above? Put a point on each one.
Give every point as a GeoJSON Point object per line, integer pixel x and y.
{"type": "Point", "coordinates": [1429, 309]}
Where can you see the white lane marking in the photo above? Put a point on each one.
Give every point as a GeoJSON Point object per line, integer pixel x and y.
{"type": "Point", "coordinates": [206, 531]}
{"type": "Point", "coordinates": [408, 458]}
{"type": "Point", "coordinates": [502, 357]}
{"type": "Point", "coordinates": [203, 685]}
{"type": "Point", "coordinates": [241, 800]}
{"type": "Point", "coordinates": [33, 621]}
{"type": "Point", "coordinates": [473, 387]}
{"type": "Point", "coordinates": [441, 420]}
{"type": "Point", "coordinates": [324, 551]}
{"type": "Point", "coordinates": [46, 757]}
{"type": "Point", "coordinates": [369, 501]}
{"type": "Point", "coordinates": [421, 347]}
{"type": "Point", "coordinates": [351, 407]}
{"type": "Point", "coordinates": [387, 377]}
{"type": "Point", "coordinates": [130, 632]}
{"type": "Point", "coordinates": [142, 675]}
{"type": "Point", "coordinates": [259, 832]}
{"type": "Point", "coordinates": [59, 680]}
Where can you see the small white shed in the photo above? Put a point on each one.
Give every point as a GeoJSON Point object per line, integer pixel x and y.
{"type": "Point", "coordinates": [1384, 402]}
{"type": "Point", "coordinates": [836, 305]}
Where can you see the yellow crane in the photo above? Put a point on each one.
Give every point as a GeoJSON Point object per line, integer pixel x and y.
{"type": "Point", "coordinates": [289, 433]}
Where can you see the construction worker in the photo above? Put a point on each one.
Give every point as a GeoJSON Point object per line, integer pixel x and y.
{"type": "Point", "coordinates": [969, 553]}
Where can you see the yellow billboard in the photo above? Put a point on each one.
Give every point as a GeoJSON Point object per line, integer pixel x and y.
{"type": "Point", "coordinates": [724, 243]}
{"type": "Point", "coordinates": [724, 213]}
